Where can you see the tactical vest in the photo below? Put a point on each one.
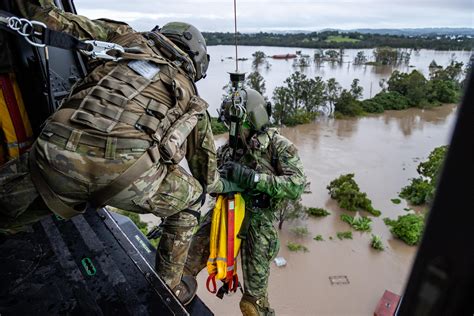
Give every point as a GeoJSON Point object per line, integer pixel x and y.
{"type": "Point", "coordinates": [144, 96]}
{"type": "Point", "coordinates": [144, 101]}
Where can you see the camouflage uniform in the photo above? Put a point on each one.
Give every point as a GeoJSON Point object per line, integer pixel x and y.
{"type": "Point", "coordinates": [282, 179]}
{"type": "Point", "coordinates": [81, 150]}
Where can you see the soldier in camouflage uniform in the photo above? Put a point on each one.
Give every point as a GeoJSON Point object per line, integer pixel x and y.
{"type": "Point", "coordinates": [267, 170]}
{"type": "Point", "coordinates": [120, 135]}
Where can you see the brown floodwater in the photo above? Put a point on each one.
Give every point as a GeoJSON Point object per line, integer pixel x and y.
{"type": "Point", "coordinates": [383, 152]}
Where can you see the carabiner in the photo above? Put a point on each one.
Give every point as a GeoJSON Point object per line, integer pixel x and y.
{"type": "Point", "coordinates": [100, 50]}
{"type": "Point", "coordinates": [34, 32]}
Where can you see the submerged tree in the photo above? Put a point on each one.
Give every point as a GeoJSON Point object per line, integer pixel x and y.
{"type": "Point", "coordinates": [360, 58]}
{"type": "Point", "coordinates": [421, 190]}
{"type": "Point", "coordinates": [299, 101]}
{"type": "Point", "coordinates": [332, 54]}
{"type": "Point", "coordinates": [356, 89]}
{"type": "Point", "coordinates": [290, 210]}
{"type": "Point", "coordinates": [255, 81]}
{"type": "Point", "coordinates": [332, 93]}
{"type": "Point", "coordinates": [391, 56]}
{"type": "Point", "coordinates": [258, 59]}
{"type": "Point", "coordinates": [412, 86]}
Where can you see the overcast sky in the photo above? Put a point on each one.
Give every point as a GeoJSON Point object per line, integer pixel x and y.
{"type": "Point", "coordinates": [283, 15]}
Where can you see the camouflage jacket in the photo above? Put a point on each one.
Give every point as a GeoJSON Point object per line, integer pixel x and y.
{"type": "Point", "coordinates": [200, 149]}
{"type": "Point", "coordinates": [276, 159]}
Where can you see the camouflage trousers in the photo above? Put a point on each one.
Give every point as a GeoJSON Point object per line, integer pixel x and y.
{"type": "Point", "coordinates": [164, 190]}
{"type": "Point", "coordinates": [257, 251]}
{"type": "Point", "coordinates": [17, 194]}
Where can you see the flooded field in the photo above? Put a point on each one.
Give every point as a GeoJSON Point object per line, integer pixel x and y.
{"type": "Point", "coordinates": [383, 152]}
{"type": "Point", "coordinates": [210, 88]}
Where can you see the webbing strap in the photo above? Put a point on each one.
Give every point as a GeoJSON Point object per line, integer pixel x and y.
{"type": "Point", "coordinates": [95, 106]}
{"type": "Point", "coordinates": [51, 199]}
{"type": "Point", "coordinates": [143, 121]}
{"type": "Point", "coordinates": [112, 115]}
{"type": "Point", "coordinates": [194, 213]}
{"type": "Point", "coordinates": [116, 85]}
{"type": "Point", "coordinates": [63, 40]}
{"type": "Point", "coordinates": [140, 166]}
{"type": "Point", "coordinates": [100, 123]}
{"type": "Point", "coordinates": [73, 140]}
{"type": "Point", "coordinates": [152, 106]}
{"type": "Point", "coordinates": [158, 109]}
{"type": "Point", "coordinates": [93, 140]}
{"type": "Point", "coordinates": [113, 98]}
{"type": "Point", "coordinates": [110, 148]}
{"type": "Point", "coordinates": [211, 278]}
{"type": "Point", "coordinates": [47, 36]}
{"type": "Point", "coordinates": [230, 239]}
{"type": "Point", "coordinates": [135, 82]}
{"type": "Point", "coordinates": [148, 122]}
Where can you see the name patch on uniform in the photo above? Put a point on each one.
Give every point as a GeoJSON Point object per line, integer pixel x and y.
{"type": "Point", "coordinates": [144, 68]}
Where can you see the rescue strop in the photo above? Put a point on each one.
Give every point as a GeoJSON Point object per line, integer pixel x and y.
{"type": "Point", "coordinates": [227, 218]}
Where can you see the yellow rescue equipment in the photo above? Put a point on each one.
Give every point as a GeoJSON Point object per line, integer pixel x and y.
{"type": "Point", "coordinates": [16, 135]}
{"type": "Point", "coordinates": [227, 218]}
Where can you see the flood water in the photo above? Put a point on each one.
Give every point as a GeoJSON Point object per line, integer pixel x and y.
{"type": "Point", "coordinates": [383, 152]}
{"type": "Point", "coordinates": [210, 88]}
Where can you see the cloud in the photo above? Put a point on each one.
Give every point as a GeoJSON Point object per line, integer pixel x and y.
{"type": "Point", "coordinates": [265, 15]}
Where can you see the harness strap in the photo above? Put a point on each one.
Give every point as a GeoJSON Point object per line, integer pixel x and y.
{"type": "Point", "coordinates": [211, 278]}
{"type": "Point", "coordinates": [47, 36]}
{"type": "Point", "coordinates": [63, 40]}
{"type": "Point", "coordinates": [51, 199]}
{"type": "Point", "coordinates": [143, 164]}
{"type": "Point", "coordinates": [194, 213]}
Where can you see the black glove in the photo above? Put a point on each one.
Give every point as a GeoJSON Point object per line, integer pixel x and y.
{"type": "Point", "coordinates": [239, 174]}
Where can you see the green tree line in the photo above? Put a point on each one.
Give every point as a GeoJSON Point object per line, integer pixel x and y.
{"type": "Point", "coordinates": [300, 99]}
{"type": "Point", "coordinates": [336, 39]}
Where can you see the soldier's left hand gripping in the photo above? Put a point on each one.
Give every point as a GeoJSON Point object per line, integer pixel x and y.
{"type": "Point", "coordinates": [239, 174]}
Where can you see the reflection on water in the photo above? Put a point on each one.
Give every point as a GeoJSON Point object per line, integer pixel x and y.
{"type": "Point", "coordinates": [383, 151]}
{"type": "Point", "coordinates": [211, 87]}
{"type": "Point", "coordinates": [415, 119]}
{"type": "Point", "coordinates": [344, 128]}
{"type": "Point", "coordinates": [383, 71]}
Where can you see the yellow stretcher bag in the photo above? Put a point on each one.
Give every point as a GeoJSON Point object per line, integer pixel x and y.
{"type": "Point", "coordinates": [227, 218]}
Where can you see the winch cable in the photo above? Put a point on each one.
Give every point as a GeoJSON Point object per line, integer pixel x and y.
{"type": "Point", "coordinates": [235, 37]}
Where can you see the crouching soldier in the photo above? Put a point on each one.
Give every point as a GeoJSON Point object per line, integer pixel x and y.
{"type": "Point", "coordinates": [119, 137]}
{"type": "Point", "coordinates": [266, 170]}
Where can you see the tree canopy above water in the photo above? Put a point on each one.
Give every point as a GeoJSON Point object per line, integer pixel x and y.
{"type": "Point", "coordinates": [337, 39]}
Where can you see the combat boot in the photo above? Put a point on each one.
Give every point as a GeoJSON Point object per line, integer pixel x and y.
{"type": "Point", "coordinates": [252, 306]}
{"type": "Point", "coordinates": [186, 290]}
